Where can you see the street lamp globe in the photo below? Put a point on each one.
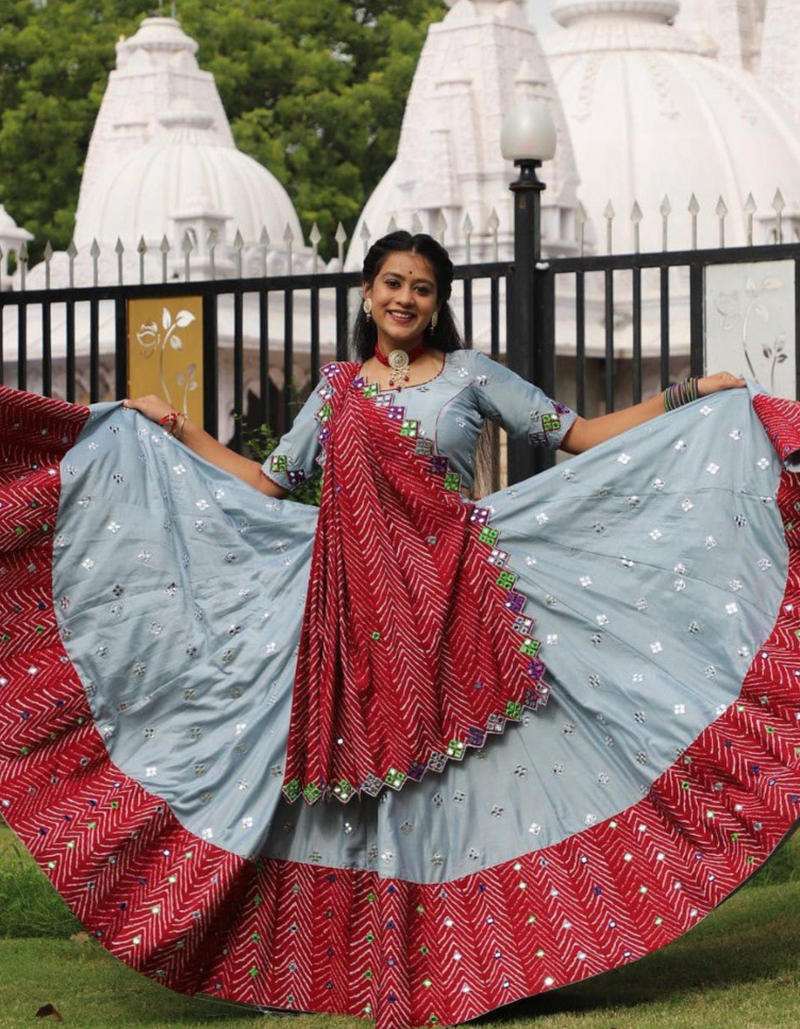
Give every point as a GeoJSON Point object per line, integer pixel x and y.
{"type": "Point", "coordinates": [528, 132]}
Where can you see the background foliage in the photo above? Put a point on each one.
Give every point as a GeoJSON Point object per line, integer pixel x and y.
{"type": "Point", "coordinates": [314, 90]}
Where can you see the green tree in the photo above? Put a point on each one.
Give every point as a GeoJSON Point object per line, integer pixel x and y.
{"type": "Point", "coordinates": [314, 89]}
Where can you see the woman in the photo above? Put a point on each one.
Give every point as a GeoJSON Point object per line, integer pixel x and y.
{"type": "Point", "coordinates": [226, 661]}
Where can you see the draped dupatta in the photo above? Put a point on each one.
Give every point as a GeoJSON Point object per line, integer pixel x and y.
{"type": "Point", "coordinates": [415, 645]}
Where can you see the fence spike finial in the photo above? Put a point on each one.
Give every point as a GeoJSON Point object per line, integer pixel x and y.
{"type": "Point", "coordinates": [164, 247]}
{"type": "Point", "coordinates": [341, 238]}
{"type": "Point", "coordinates": [665, 211]}
{"type": "Point", "coordinates": [779, 206]}
{"type": "Point", "coordinates": [721, 211]}
{"type": "Point", "coordinates": [72, 253]}
{"type": "Point", "coordinates": [48, 257]}
{"type": "Point", "coordinates": [366, 235]}
{"type": "Point", "coordinates": [416, 224]}
{"type": "Point", "coordinates": [441, 228]}
{"type": "Point", "coordinates": [493, 224]}
{"type": "Point", "coordinates": [468, 228]}
{"type": "Point", "coordinates": [94, 251]}
{"type": "Point", "coordinates": [315, 236]}
{"type": "Point", "coordinates": [750, 209]}
{"type": "Point", "coordinates": [119, 250]}
{"type": "Point", "coordinates": [694, 211]}
{"type": "Point", "coordinates": [212, 242]}
{"type": "Point", "coordinates": [187, 246]}
{"type": "Point", "coordinates": [636, 219]}
{"type": "Point", "coordinates": [288, 239]}
{"type": "Point", "coordinates": [238, 246]}
{"type": "Point", "coordinates": [392, 225]}
{"type": "Point", "coordinates": [141, 250]}
{"type": "Point", "coordinates": [22, 257]}
{"type": "Point", "coordinates": [609, 214]}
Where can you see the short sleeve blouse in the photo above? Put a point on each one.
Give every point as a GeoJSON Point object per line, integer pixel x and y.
{"type": "Point", "coordinates": [450, 408]}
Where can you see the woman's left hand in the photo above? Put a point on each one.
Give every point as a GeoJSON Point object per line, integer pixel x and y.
{"type": "Point", "coordinates": [718, 381]}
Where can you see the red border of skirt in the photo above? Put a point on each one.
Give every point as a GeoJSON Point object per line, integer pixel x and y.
{"type": "Point", "coordinates": [311, 938]}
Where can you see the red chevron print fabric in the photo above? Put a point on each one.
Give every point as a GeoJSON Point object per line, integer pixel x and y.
{"type": "Point", "coordinates": [415, 646]}
{"type": "Point", "coordinates": [305, 937]}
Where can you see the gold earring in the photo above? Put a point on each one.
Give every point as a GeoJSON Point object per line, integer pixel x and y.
{"type": "Point", "coordinates": [434, 322]}
{"type": "Point", "coordinates": [368, 308]}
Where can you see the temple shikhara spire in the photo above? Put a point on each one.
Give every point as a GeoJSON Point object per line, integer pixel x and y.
{"type": "Point", "coordinates": [475, 65]}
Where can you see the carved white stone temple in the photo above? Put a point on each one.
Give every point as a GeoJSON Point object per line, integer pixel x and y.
{"type": "Point", "coordinates": [779, 65]}
{"type": "Point", "coordinates": [162, 163]}
{"type": "Point", "coordinates": [654, 113]}
{"type": "Point", "coordinates": [727, 29]}
{"type": "Point", "coordinates": [476, 64]}
{"type": "Point", "coordinates": [156, 70]}
{"type": "Point", "coordinates": [697, 98]}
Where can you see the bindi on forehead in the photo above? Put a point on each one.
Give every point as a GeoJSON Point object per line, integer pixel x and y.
{"type": "Point", "coordinates": [413, 274]}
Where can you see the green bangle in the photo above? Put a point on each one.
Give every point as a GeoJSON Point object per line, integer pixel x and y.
{"type": "Point", "coordinates": [681, 393]}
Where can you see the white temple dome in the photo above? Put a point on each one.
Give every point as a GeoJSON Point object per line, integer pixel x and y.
{"type": "Point", "coordinates": [185, 163]}
{"type": "Point", "coordinates": [651, 115]}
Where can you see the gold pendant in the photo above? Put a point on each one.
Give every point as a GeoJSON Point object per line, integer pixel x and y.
{"type": "Point", "coordinates": [398, 362]}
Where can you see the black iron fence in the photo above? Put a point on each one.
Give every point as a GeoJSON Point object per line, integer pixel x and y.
{"type": "Point", "coordinates": [82, 336]}
{"type": "Point", "coordinates": [599, 331]}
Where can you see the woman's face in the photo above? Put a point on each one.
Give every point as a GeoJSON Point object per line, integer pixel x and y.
{"type": "Point", "coordinates": [404, 298]}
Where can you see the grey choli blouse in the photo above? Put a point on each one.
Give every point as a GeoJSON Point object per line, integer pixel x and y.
{"type": "Point", "coordinates": [450, 408]}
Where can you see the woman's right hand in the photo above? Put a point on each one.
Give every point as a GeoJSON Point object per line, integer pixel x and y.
{"type": "Point", "coordinates": [150, 406]}
{"type": "Point", "coordinates": [193, 437]}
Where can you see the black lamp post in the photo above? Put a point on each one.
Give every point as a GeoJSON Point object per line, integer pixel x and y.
{"type": "Point", "coordinates": [528, 138]}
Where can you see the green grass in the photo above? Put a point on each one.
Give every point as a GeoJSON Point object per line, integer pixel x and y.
{"type": "Point", "coordinates": [740, 969]}
{"type": "Point", "coordinates": [29, 906]}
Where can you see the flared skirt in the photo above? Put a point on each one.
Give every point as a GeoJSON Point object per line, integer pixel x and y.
{"type": "Point", "coordinates": [150, 613]}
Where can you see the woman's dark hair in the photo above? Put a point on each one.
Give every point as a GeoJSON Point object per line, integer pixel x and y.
{"type": "Point", "coordinates": [445, 336]}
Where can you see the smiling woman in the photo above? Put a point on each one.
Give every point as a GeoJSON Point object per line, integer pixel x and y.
{"type": "Point", "coordinates": [407, 756]}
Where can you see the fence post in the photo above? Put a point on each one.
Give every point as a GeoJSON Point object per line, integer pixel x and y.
{"type": "Point", "coordinates": [210, 366]}
{"type": "Point", "coordinates": [544, 348]}
{"type": "Point", "coordinates": [120, 348]}
{"type": "Point", "coordinates": [522, 345]}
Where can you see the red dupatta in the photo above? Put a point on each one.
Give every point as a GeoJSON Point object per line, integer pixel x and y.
{"type": "Point", "coordinates": [414, 643]}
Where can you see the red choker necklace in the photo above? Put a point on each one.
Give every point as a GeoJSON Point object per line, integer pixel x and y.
{"type": "Point", "coordinates": [398, 361]}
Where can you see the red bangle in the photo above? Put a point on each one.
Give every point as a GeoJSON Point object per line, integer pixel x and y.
{"type": "Point", "coordinates": [169, 421]}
